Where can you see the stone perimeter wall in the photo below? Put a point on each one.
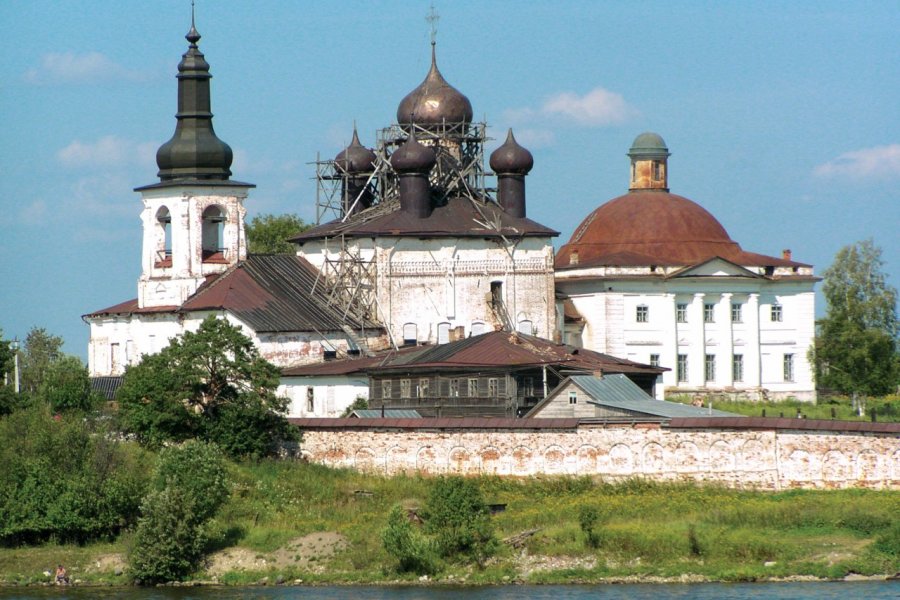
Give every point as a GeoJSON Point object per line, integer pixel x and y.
{"type": "Point", "coordinates": [763, 459]}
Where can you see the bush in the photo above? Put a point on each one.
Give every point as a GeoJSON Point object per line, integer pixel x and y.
{"type": "Point", "coordinates": [413, 552]}
{"type": "Point", "coordinates": [458, 518]}
{"type": "Point", "coordinates": [587, 519]}
{"type": "Point", "coordinates": [189, 487]}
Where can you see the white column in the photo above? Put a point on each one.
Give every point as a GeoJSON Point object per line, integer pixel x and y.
{"type": "Point", "coordinates": [668, 356]}
{"type": "Point", "coordinates": [725, 354]}
{"type": "Point", "coordinates": [697, 347]}
{"type": "Point", "coordinates": [752, 377]}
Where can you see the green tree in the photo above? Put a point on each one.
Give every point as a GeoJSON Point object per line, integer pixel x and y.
{"type": "Point", "coordinates": [6, 358]}
{"type": "Point", "coordinates": [66, 385]}
{"type": "Point", "coordinates": [856, 349]}
{"type": "Point", "coordinates": [8, 400]}
{"type": "Point", "coordinates": [39, 351]}
{"type": "Point", "coordinates": [459, 520]}
{"type": "Point", "coordinates": [189, 487]}
{"type": "Point", "coordinates": [413, 552]}
{"type": "Point", "coordinates": [268, 234]}
{"type": "Point", "coordinates": [211, 384]}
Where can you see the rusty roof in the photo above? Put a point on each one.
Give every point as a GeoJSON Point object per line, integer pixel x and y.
{"type": "Point", "coordinates": [654, 227]}
{"type": "Point", "coordinates": [459, 217]}
{"type": "Point", "coordinates": [271, 293]}
{"type": "Point", "coordinates": [783, 423]}
{"type": "Point", "coordinates": [503, 349]}
{"type": "Point", "coordinates": [434, 423]}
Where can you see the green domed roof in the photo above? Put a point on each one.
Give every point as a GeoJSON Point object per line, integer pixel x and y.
{"type": "Point", "coordinates": [648, 144]}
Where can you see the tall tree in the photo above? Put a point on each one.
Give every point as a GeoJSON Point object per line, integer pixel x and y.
{"type": "Point", "coordinates": [66, 385]}
{"type": "Point", "coordinates": [211, 384]}
{"type": "Point", "coordinates": [268, 234]}
{"type": "Point", "coordinates": [6, 357]}
{"type": "Point", "coordinates": [856, 349]}
{"type": "Point", "coordinates": [39, 351]}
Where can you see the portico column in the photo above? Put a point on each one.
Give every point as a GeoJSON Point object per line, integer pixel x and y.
{"type": "Point", "coordinates": [725, 374]}
{"type": "Point", "coordinates": [752, 371]}
{"type": "Point", "coordinates": [697, 354]}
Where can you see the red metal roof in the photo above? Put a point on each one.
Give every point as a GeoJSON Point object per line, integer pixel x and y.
{"type": "Point", "coordinates": [435, 423]}
{"type": "Point", "coordinates": [652, 227]}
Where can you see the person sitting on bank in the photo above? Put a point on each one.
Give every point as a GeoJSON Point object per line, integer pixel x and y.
{"type": "Point", "coordinates": [62, 578]}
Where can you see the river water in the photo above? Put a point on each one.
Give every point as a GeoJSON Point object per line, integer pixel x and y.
{"type": "Point", "coordinates": [865, 590]}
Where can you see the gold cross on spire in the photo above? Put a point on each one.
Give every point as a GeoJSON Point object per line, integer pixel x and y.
{"type": "Point", "coordinates": [433, 17]}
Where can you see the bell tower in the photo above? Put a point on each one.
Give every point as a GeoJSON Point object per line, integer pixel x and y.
{"type": "Point", "coordinates": [193, 219]}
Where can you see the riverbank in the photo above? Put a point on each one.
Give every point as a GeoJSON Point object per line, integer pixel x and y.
{"type": "Point", "coordinates": [289, 522]}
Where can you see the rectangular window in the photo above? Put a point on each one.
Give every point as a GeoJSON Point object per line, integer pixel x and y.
{"type": "Point", "coordinates": [423, 388]}
{"type": "Point", "coordinates": [709, 313]}
{"type": "Point", "coordinates": [737, 367]}
{"type": "Point", "coordinates": [386, 388]}
{"type": "Point", "coordinates": [473, 388]}
{"type": "Point", "coordinates": [681, 313]}
{"type": "Point", "coordinates": [654, 360]}
{"type": "Point", "coordinates": [788, 367]}
{"type": "Point", "coordinates": [493, 388]}
{"type": "Point", "coordinates": [454, 388]}
{"type": "Point", "coordinates": [682, 368]}
{"type": "Point", "coordinates": [737, 315]}
{"type": "Point", "coordinates": [310, 400]}
{"type": "Point", "coordinates": [642, 315]}
{"type": "Point", "coordinates": [528, 386]}
{"type": "Point", "coordinates": [777, 313]}
{"type": "Point", "coordinates": [404, 388]}
{"type": "Point", "coordinates": [573, 397]}
{"type": "Point", "coordinates": [710, 367]}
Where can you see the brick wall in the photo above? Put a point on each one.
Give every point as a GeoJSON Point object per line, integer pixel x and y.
{"type": "Point", "coordinates": [759, 458]}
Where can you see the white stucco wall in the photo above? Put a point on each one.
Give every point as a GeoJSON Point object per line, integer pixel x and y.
{"type": "Point", "coordinates": [331, 395]}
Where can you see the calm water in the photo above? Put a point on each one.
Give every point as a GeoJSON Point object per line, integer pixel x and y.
{"type": "Point", "coordinates": [709, 591]}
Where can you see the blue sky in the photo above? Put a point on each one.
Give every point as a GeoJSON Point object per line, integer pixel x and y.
{"type": "Point", "coordinates": [782, 117]}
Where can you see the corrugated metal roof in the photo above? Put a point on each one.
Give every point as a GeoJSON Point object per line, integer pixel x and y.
{"type": "Point", "coordinates": [435, 423]}
{"type": "Point", "coordinates": [107, 386]}
{"type": "Point", "coordinates": [617, 391]}
{"type": "Point", "coordinates": [785, 423]}
{"type": "Point", "coordinates": [389, 413]}
{"type": "Point", "coordinates": [457, 218]}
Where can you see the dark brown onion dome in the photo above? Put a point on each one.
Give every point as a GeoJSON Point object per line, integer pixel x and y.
{"type": "Point", "coordinates": [511, 157]}
{"type": "Point", "coordinates": [355, 158]}
{"type": "Point", "coordinates": [434, 102]}
{"type": "Point", "coordinates": [194, 151]}
{"type": "Point", "coordinates": [647, 227]}
{"type": "Point", "coordinates": [413, 157]}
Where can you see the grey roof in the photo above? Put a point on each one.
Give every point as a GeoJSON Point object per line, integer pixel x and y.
{"type": "Point", "coordinates": [108, 387]}
{"type": "Point", "coordinates": [388, 413]}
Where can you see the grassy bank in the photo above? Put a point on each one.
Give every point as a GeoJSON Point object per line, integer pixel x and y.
{"type": "Point", "coordinates": [886, 408]}
{"type": "Point", "coordinates": [645, 530]}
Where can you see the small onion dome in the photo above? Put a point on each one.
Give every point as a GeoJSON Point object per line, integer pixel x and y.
{"type": "Point", "coordinates": [511, 157]}
{"type": "Point", "coordinates": [355, 158]}
{"type": "Point", "coordinates": [435, 101]}
{"type": "Point", "coordinates": [648, 145]}
{"type": "Point", "coordinates": [413, 157]}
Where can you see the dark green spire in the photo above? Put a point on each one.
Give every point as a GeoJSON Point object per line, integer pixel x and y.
{"type": "Point", "coordinates": [194, 152]}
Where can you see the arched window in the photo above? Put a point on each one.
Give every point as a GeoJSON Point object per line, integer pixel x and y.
{"type": "Point", "coordinates": [163, 256]}
{"type": "Point", "coordinates": [526, 327]}
{"type": "Point", "coordinates": [409, 334]}
{"type": "Point", "coordinates": [443, 333]}
{"type": "Point", "coordinates": [213, 229]}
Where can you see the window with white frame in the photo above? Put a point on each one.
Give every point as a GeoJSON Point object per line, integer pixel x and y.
{"type": "Point", "coordinates": [386, 388]}
{"type": "Point", "coordinates": [642, 313]}
{"type": "Point", "coordinates": [473, 388]}
{"type": "Point", "coordinates": [737, 312]}
{"type": "Point", "coordinates": [443, 333]}
{"type": "Point", "coordinates": [682, 368]}
{"type": "Point", "coordinates": [788, 367]}
{"type": "Point", "coordinates": [681, 310]}
{"type": "Point", "coordinates": [493, 387]}
{"type": "Point", "coordinates": [710, 367]}
{"type": "Point", "coordinates": [777, 314]}
{"type": "Point", "coordinates": [737, 367]}
{"type": "Point", "coordinates": [424, 387]}
{"type": "Point", "coordinates": [573, 397]}
{"type": "Point", "coordinates": [405, 388]}
{"type": "Point", "coordinates": [454, 388]}
{"type": "Point", "coordinates": [410, 332]}
{"type": "Point", "coordinates": [654, 360]}
{"type": "Point", "coordinates": [709, 313]}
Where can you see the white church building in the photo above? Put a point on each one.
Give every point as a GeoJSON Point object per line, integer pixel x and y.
{"type": "Point", "coordinates": [653, 277]}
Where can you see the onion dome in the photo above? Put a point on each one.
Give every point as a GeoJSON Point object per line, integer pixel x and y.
{"type": "Point", "coordinates": [355, 158]}
{"type": "Point", "coordinates": [194, 152]}
{"type": "Point", "coordinates": [434, 102]}
{"type": "Point", "coordinates": [511, 157]}
{"type": "Point", "coordinates": [413, 157]}
{"type": "Point", "coordinates": [649, 145]}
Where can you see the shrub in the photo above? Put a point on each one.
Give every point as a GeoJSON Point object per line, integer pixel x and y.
{"type": "Point", "coordinates": [198, 469]}
{"type": "Point", "coordinates": [411, 550]}
{"type": "Point", "coordinates": [587, 519]}
{"type": "Point", "coordinates": [458, 518]}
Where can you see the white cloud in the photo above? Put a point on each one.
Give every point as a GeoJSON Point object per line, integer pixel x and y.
{"type": "Point", "coordinates": [598, 107]}
{"type": "Point", "coordinates": [108, 151]}
{"type": "Point", "coordinates": [70, 68]}
{"type": "Point", "coordinates": [882, 162]}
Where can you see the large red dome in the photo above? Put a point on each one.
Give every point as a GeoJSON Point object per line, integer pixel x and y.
{"type": "Point", "coordinates": [648, 227]}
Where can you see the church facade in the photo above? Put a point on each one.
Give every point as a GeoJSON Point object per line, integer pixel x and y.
{"type": "Point", "coordinates": [653, 277]}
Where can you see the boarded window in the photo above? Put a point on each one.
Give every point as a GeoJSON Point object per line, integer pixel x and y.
{"type": "Point", "coordinates": [443, 333]}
